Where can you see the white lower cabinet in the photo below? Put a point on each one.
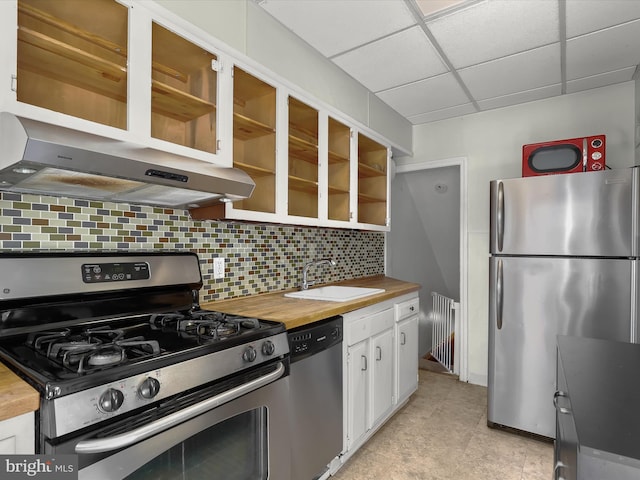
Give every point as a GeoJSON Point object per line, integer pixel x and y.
{"type": "Point", "coordinates": [407, 314]}
{"type": "Point", "coordinates": [369, 340]}
{"type": "Point", "coordinates": [381, 366]}
{"type": "Point", "coordinates": [382, 393]}
{"type": "Point", "coordinates": [17, 435]}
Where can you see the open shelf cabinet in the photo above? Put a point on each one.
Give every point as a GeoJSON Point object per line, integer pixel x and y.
{"type": "Point", "coordinates": [303, 159]}
{"type": "Point", "coordinates": [74, 60]}
{"type": "Point", "coordinates": [339, 170]}
{"type": "Point", "coordinates": [372, 181]}
{"type": "Point", "coordinates": [254, 138]}
{"type": "Point", "coordinates": [183, 91]}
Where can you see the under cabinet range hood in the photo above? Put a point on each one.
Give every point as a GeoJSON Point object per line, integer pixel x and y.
{"type": "Point", "coordinates": [46, 159]}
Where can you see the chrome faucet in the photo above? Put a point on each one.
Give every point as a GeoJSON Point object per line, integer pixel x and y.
{"type": "Point", "coordinates": [305, 270]}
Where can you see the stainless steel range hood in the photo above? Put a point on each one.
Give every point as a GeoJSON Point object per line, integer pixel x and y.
{"type": "Point", "coordinates": [45, 159]}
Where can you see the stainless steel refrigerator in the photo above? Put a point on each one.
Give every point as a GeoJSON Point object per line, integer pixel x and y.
{"type": "Point", "coordinates": [563, 262]}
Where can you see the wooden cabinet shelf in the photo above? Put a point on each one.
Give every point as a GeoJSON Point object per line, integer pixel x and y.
{"type": "Point", "coordinates": [109, 70]}
{"type": "Point", "coordinates": [176, 104]}
{"type": "Point", "coordinates": [254, 170]}
{"type": "Point", "coordinates": [337, 158]}
{"type": "Point", "coordinates": [301, 149]}
{"type": "Point", "coordinates": [336, 190]}
{"type": "Point", "coordinates": [367, 198]}
{"type": "Point", "coordinates": [245, 128]}
{"type": "Point", "coordinates": [365, 170]}
{"type": "Point", "coordinates": [303, 184]}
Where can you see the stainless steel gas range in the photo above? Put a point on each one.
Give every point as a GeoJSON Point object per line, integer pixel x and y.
{"type": "Point", "coordinates": [134, 377]}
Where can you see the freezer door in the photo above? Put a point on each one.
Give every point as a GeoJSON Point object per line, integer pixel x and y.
{"type": "Point", "coordinates": [531, 301]}
{"type": "Point", "coordinates": [584, 214]}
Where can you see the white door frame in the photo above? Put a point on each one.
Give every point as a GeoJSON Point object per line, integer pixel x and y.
{"type": "Point", "coordinates": [461, 327]}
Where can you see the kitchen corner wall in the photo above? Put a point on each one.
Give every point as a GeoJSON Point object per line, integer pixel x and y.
{"type": "Point", "coordinates": [259, 257]}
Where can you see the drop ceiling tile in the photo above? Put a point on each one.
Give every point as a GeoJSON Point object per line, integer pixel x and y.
{"type": "Point", "coordinates": [433, 93]}
{"type": "Point", "coordinates": [443, 114]}
{"type": "Point", "coordinates": [585, 16]}
{"type": "Point", "coordinates": [432, 7]}
{"type": "Point", "coordinates": [402, 58]}
{"type": "Point", "coordinates": [521, 97]}
{"type": "Point", "coordinates": [493, 29]}
{"type": "Point", "coordinates": [335, 26]}
{"type": "Point", "coordinates": [603, 51]}
{"type": "Point", "coordinates": [524, 71]}
{"type": "Point", "coordinates": [602, 80]}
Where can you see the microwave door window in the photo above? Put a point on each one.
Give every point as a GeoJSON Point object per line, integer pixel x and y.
{"type": "Point", "coordinates": [555, 158]}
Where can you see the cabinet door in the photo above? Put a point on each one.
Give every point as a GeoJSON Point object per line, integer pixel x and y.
{"type": "Point", "coordinates": [74, 60]}
{"type": "Point", "coordinates": [302, 192]}
{"type": "Point", "coordinates": [407, 368]}
{"type": "Point", "coordinates": [382, 375]}
{"type": "Point", "coordinates": [17, 435]}
{"type": "Point", "coordinates": [357, 387]}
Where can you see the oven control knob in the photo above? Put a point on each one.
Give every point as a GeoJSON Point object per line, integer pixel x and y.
{"type": "Point", "coordinates": [149, 388]}
{"type": "Point", "coordinates": [111, 400]}
{"type": "Point", "coordinates": [268, 348]}
{"type": "Point", "coordinates": [249, 354]}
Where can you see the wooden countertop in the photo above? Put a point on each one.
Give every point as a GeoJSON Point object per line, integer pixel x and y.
{"type": "Point", "coordinates": [295, 312]}
{"type": "Point", "coordinates": [16, 396]}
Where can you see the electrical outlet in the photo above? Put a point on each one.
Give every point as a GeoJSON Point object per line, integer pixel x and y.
{"type": "Point", "coordinates": [218, 267]}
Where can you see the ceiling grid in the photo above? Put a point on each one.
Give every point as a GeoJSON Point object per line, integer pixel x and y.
{"type": "Point", "coordinates": [446, 58]}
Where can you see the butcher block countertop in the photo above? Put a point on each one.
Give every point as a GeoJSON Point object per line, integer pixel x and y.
{"type": "Point", "coordinates": [16, 396]}
{"type": "Point", "coordinates": [295, 312]}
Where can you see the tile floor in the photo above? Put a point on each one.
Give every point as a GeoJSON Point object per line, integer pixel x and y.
{"type": "Point", "coordinates": [442, 434]}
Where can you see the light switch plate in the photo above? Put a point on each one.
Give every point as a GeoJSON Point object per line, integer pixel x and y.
{"type": "Point", "coordinates": [218, 267]}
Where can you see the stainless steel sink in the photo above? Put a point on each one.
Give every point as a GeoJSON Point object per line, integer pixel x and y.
{"type": "Point", "coordinates": [334, 293]}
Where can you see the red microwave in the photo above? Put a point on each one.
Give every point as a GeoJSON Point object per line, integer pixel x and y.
{"type": "Point", "coordinates": [585, 154]}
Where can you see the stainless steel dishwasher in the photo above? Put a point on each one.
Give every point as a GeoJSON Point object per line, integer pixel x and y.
{"type": "Point", "coordinates": [316, 397]}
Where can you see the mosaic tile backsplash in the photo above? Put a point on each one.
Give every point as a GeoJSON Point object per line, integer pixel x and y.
{"type": "Point", "coordinates": [258, 257]}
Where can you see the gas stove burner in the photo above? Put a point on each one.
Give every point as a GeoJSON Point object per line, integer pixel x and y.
{"type": "Point", "coordinates": [109, 355]}
{"type": "Point", "coordinates": [92, 348]}
{"type": "Point", "coordinates": [217, 329]}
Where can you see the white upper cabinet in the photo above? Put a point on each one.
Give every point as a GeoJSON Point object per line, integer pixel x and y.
{"type": "Point", "coordinates": [115, 70]}
{"type": "Point", "coordinates": [131, 70]}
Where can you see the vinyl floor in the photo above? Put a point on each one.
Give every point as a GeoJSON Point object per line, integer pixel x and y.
{"type": "Point", "coordinates": [442, 434]}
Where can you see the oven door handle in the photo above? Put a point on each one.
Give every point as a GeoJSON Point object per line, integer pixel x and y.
{"type": "Point", "coordinates": [129, 438]}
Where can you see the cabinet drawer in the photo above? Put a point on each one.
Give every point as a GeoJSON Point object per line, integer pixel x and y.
{"type": "Point", "coordinates": [365, 327]}
{"type": "Point", "coordinates": [358, 330]}
{"type": "Point", "coordinates": [408, 308]}
{"type": "Point", "coordinates": [381, 321]}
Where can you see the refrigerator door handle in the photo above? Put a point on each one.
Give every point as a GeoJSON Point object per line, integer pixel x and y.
{"type": "Point", "coordinates": [499, 295]}
{"type": "Point", "coordinates": [500, 216]}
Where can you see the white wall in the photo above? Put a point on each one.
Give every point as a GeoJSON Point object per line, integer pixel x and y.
{"type": "Point", "coordinates": [248, 29]}
{"type": "Point", "coordinates": [418, 252]}
{"type": "Point", "coordinates": [492, 142]}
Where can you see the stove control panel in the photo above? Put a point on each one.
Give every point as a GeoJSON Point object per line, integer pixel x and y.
{"type": "Point", "coordinates": [114, 272]}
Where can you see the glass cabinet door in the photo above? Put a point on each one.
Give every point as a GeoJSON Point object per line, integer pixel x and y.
{"type": "Point", "coordinates": [303, 160]}
{"type": "Point", "coordinates": [72, 58]}
{"type": "Point", "coordinates": [184, 90]}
